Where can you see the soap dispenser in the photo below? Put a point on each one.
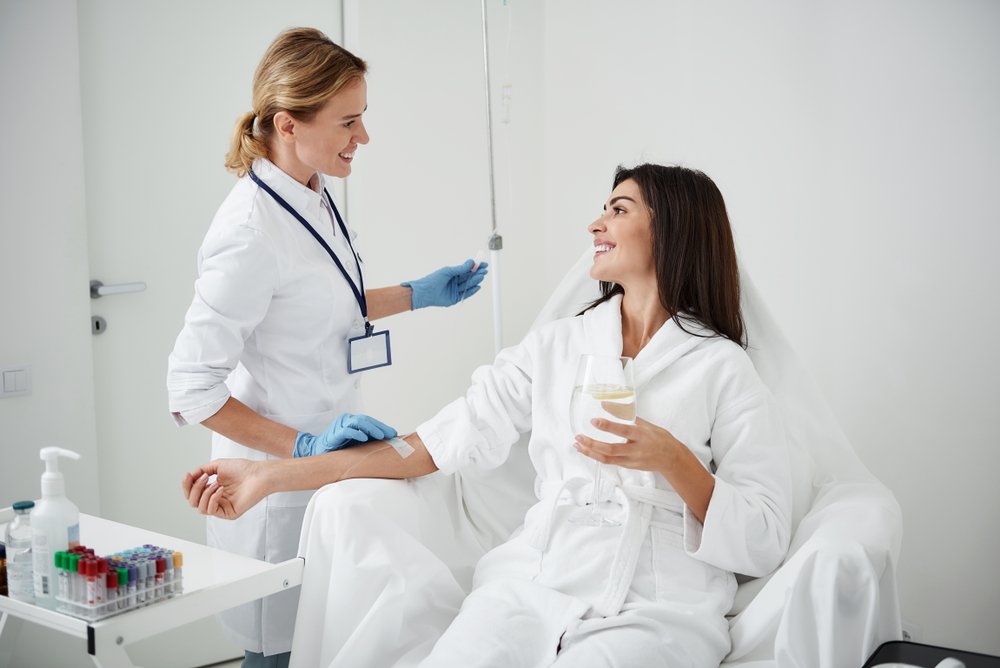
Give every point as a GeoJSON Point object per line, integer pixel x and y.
{"type": "Point", "coordinates": [55, 525]}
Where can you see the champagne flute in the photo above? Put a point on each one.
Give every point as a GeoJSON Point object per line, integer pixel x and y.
{"type": "Point", "coordinates": [604, 388]}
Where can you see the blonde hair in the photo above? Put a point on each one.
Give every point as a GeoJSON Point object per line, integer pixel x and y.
{"type": "Point", "coordinates": [300, 71]}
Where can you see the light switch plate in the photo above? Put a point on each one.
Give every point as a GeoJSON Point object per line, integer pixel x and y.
{"type": "Point", "coordinates": [15, 381]}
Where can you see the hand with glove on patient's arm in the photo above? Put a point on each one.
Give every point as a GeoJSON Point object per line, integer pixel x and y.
{"type": "Point", "coordinates": [347, 430]}
{"type": "Point", "coordinates": [234, 485]}
{"type": "Point", "coordinates": [227, 488]}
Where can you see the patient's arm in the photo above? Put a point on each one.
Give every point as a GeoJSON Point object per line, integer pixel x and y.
{"type": "Point", "coordinates": [240, 483]}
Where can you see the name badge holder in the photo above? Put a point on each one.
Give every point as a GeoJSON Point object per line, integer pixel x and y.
{"type": "Point", "coordinates": [371, 350]}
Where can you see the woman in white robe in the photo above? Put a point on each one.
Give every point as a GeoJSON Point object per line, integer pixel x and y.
{"type": "Point", "coordinates": [702, 483]}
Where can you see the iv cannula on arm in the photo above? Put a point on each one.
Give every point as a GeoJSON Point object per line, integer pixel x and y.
{"type": "Point", "coordinates": [239, 484]}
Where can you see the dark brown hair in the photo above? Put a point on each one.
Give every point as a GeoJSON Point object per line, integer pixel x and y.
{"type": "Point", "coordinates": [693, 248]}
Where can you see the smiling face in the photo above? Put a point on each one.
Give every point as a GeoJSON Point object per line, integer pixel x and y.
{"type": "Point", "coordinates": [327, 142]}
{"type": "Point", "coordinates": [623, 241]}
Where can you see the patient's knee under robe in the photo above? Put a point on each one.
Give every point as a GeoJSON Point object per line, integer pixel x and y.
{"type": "Point", "coordinates": [383, 558]}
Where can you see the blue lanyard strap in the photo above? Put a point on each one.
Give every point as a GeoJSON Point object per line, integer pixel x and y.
{"type": "Point", "coordinates": [359, 295]}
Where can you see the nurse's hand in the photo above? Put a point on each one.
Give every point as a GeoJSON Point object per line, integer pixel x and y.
{"type": "Point", "coordinates": [347, 430]}
{"type": "Point", "coordinates": [238, 485]}
{"type": "Point", "coordinates": [646, 447]}
{"type": "Point", "coordinates": [448, 285]}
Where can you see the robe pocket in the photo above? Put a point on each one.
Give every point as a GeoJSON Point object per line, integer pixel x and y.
{"type": "Point", "coordinates": [679, 577]}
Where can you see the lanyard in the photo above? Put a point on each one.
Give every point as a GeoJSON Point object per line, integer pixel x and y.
{"type": "Point", "coordinates": [359, 295]}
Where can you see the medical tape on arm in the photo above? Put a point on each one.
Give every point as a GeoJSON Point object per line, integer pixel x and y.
{"type": "Point", "coordinates": [403, 448]}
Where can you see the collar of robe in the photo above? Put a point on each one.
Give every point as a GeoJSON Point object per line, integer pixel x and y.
{"type": "Point", "coordinates": [603, 328]}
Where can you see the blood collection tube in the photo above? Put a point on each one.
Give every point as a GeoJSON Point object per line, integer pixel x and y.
{"type": "Point", "coordinates": [141, 581]}
{"type": "Point", "coordinates": [62, 575]}
{"type": "Point", "coordinates": [133, 582]}
{"type": "Point", "coordinates": [102, 575]}
{"type": "Point", "coordinates": [91, 572]}
{"type": "Point", "coordinates": [111, 590]}
{"type": "Point", "coordinates": [69, 563]}
{"type": "Point", "coordinates": [178, 572]}
{"type": "Point", "coordinates": [81, 580]}
{"type": "Point", "coordinates": [122, 587]}
{"type": "Point", "coordinates": [150, 568]}
{"type": "Point", "coordinates": [161, 576]}
{"type": "Point", "coordinates": [168, 574]}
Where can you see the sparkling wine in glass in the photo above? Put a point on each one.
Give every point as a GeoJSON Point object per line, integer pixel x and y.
{"type": "Point", "coordinates": [604, 388]}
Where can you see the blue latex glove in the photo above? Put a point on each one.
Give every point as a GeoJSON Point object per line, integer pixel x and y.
{"type": "Point", "coordinates": [447, 286]}
{"type": "Point", "coordinates": [345, 431]}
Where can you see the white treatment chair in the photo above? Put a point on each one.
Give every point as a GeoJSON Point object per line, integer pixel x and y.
{"type": "Point", "coordinates": [388, 562]}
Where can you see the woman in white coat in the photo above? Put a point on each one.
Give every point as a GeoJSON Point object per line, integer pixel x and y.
{"type": "Point", "coordinates": [702, 482]}
{"type": "Point", "coordinates": [280, 320]}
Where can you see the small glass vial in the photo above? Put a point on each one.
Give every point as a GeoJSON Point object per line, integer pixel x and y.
{"type": "Point", "coordinates": [20, 566]}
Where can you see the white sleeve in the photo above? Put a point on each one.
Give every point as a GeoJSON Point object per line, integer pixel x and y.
{"type": "Point", "coordinates": [480, 428]}
{"type": "Point", "coordinates": [237, 276]}
{"type": "Point", "coordinates": [748, 524]}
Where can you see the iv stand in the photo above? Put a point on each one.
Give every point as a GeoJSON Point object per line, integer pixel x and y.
{"type": "Point", "coordinates": [495, 243]}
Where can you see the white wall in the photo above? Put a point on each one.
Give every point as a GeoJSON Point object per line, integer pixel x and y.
{"type": "Point", "coordinates": [419, 194]}
{"type": "Point", "coordinates": [858, 148]}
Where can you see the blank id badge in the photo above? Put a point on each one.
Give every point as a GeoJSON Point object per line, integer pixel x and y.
{"type": "Point", "coordinates": [368, 351]}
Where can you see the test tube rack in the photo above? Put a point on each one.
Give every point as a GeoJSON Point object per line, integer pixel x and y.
{"type": "Point", "coordinates": [126, 581]}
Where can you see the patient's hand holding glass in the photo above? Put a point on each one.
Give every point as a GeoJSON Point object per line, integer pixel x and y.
{"type": "Point", "coordinates": [604, 388]}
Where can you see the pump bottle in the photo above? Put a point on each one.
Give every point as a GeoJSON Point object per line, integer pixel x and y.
{"type": "Point", "coordinates": [55, 525]}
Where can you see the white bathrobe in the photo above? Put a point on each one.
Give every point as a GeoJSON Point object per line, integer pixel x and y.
{"type": "Point", "coordinates": [655, 589]}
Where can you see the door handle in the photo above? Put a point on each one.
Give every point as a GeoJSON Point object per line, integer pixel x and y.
{"type": "Point", "coordinates": [98, 289]}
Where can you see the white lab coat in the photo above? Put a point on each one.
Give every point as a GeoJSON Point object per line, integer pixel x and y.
{"type": "Point", "coordinates": [559, 582]}
{"type": "Point", "coordinates": [268, 325]}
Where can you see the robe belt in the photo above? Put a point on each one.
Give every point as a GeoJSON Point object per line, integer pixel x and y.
{"type": "Point", "coordinates": [552, 491]}
{"type": "Point", "coordinates": [639, 502]}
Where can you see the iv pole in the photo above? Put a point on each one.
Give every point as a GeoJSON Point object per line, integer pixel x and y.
{"type": "Point", "coordinates": [495, 243]}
